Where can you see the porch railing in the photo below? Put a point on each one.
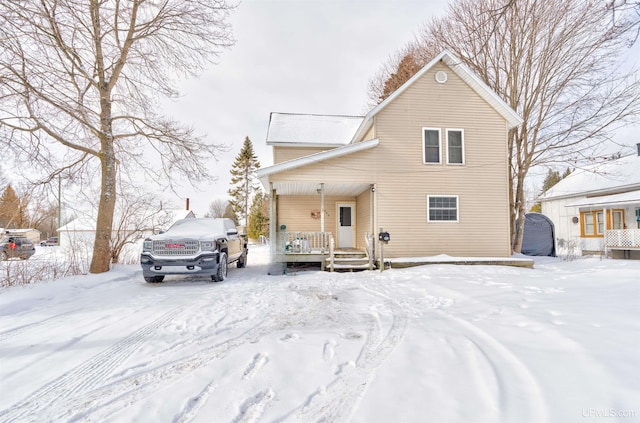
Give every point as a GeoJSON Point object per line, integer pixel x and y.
{"type": "Point", "coordinates": [304, 242]}
{"type": "Point", "coordinates": [622, 238]}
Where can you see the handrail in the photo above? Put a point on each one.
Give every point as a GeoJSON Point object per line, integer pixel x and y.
{"type": "Point", "coordinates": [304, 242]}
{"type": "Point", "coordinates": [331, 252]}
{"type": "Point", "coordinates": [621, 238]}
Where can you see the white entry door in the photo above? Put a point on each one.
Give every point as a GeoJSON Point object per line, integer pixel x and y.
{"type": "Point", "coordinates": [346, 225]}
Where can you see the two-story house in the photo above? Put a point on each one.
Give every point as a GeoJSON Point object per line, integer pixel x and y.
{"type": "Point", "coordinates": [429, 165]}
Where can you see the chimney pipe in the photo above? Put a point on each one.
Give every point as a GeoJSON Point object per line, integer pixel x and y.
{"type": "Point", "coordinates": [187, 204]}
{"type": "Point", "coordinates": [638, 145]}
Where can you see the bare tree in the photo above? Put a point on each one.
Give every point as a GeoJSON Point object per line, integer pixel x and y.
{"type": "Point", "coordinates": [553, 61]}
{"type": "Point", "coordinates": [217, 208]}
{"type": "Point", "coordinates": [80, 85]}
{"type": "Point", "coordinates": [135, 218]}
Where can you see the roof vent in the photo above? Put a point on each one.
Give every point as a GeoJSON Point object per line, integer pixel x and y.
{"type": "Point", "coordinates": [441, 77]}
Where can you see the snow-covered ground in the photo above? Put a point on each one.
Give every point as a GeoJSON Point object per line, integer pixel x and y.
{"type": "Point", "coordinates": [438, 343]}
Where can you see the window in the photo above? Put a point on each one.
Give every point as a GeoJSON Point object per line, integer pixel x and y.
{"type": "Point", "coordinates": [455, 146]}
{"type": "Point", "coordinates": [431, 145]}
{"type": "Point", "coordinates": [442, 208]}
{"type": "Point", "coordinates": [595, 223]}
{"type": "Point", "coordinates": [617, 220]}
{"type": "Point", "coordinates": [600, 221]}
{"type": "Point", "coordinates": [588, 227]}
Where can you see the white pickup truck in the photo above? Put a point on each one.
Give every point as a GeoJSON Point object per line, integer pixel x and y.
{"type": "Point", "coordinates": [202, 246]}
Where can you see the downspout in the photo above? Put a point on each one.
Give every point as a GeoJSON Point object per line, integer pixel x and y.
{"type": "Point", "coordinates": [372, 222]}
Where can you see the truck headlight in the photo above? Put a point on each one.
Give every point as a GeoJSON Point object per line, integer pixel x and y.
{"type": "Point", "coordinates": [207, 245]}
{"type": "Point", "coordinates": [147, 244]}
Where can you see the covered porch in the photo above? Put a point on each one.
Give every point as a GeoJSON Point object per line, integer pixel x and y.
{"type": "Point", "coordinates": [325, 223]}
{"type": "Point", "coordinates": [614, 221]}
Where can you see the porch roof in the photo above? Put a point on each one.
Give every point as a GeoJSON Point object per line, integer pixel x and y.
{"type": "Point", "coordinates": [264, 173]}
{"type": "Point", "coordinates": [345, 189]}
{"type": "Point", "coordinates": [631, 197]}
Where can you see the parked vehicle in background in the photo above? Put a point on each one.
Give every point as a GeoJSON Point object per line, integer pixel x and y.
{"type": "Point", "coordinates": [12, 246]}
{"type": "Point", "coordinates": [50, 242]}
{"type": "Point", "coordinates": [201, 246]}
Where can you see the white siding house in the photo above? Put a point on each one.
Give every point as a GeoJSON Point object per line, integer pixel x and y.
{"type": "Point", "coordinates": [597, 210]}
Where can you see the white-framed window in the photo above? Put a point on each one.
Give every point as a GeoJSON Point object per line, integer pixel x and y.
{"type": "Point", "coordinates": [455, 146]}
{"type": "Point", "coordinates": [442, 208]}
{"type": "Point", "coordinates": [431, 145]}
{"type": "Point", "coordinates": [618, 220]}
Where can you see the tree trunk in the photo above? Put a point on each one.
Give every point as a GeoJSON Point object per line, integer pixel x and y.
{"type": "Point", "coordinates": [520, 213]}
{"type": "Point", "coordinates": [102, 246]}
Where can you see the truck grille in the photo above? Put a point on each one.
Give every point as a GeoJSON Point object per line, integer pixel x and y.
{"type": "Point", "coordinates": [176, 248]}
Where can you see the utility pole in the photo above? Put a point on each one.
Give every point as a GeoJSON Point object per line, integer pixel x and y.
{"type": "Point", "coordinates": [59, 207]}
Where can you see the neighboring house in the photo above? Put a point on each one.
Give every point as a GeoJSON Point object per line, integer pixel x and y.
{"type": "Point", "coordinates": [429, 165]}
{"type": "Point", "coordinates": [32, 235]}
{"type": "Point", "coordinates": [597, 210]}
{"type": "Point", "coordinates": [79, 231]}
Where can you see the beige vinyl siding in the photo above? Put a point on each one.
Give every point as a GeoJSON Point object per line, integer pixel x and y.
{"type": "Point", "coordinates": [295, 212]}
{"type": "Point", "coordinates": [403, 181]}
{"type": "Point", "coordinates": [363, 218]}
{"type": "Point", "coordinates": [371, 134]}
{"type": "Point", "coordinates": [481, 183]}
{"type": "Point", "coordinates": [283, 154]}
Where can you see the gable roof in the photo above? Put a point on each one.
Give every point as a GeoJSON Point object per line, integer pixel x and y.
{"type": "Point", "coordinates": [465, 74]}
{"type": "Point", "coordinates": [292, 129]}
{"type": "Point", "coordinates": [612, 177]}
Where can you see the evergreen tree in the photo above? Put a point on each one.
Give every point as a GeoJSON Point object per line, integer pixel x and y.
{"type": "Point", "coordinates": [13, 212]}
{"type": "Point", "coordinates": [259, 216]}
{"type": "Point", "coordinates": [230, 214]}
{"type": "Point", "coordinates": [552, 178]}
{"type": "Point", "coordinates": [243, 181]}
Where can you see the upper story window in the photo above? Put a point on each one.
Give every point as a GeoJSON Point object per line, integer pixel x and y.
{"type": "Point", "coordinates": [455, 146]}
{"type": "Point", "coordinates": [431, 145]}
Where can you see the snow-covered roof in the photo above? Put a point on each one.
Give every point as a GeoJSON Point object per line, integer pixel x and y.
{"type": "Point", "coordinates": [79, 224]}
{"type": "Point", "coordinates": [465, 74]}
{"type": "Point", "coordinates": [631, 197]}
{"type": "Point", "coordinates": [311, 130]}
{"type": "Point", "coordinates": [611, 177]}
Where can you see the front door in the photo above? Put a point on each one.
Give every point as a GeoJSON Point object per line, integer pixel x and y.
{"type": "Point", "coordinates": [346, 225]}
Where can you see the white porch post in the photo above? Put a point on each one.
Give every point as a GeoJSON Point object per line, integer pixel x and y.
{"type": "Point", "coordinates": [272, 223]}
{"type": "Point", "coordinates": [604, 212]}
{"type": "Point", "coordinates": [322, 207]}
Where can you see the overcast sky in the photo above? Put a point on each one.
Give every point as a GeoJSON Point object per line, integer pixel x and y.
{"type": "Point", "coordinates": [299, 56]}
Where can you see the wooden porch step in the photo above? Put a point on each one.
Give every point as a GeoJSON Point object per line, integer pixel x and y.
{"type": "Point", "coordinates": [350, 266]}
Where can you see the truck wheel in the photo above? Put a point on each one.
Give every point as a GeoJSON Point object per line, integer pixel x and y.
{"type": "Point", "coordinates": [222, 269]}
{"type": "Point", "coordinates": [154, 279]}
{"type": "Point", "coordinates": [4, 256]}
{"type": "Point", "coordinates": [242, 261]}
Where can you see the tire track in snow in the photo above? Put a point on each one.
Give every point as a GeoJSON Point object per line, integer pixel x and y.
{"type": "Point", "coordinates": [86, 376]}
{"type": "Point", "coordinates": [106, 400]}
{"type": "Point", "coordinates": [520, 396]}
{"type": "Point", "coordinates": [35, 325]}
{"type": "Point", "coordinates": [338, 401]}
